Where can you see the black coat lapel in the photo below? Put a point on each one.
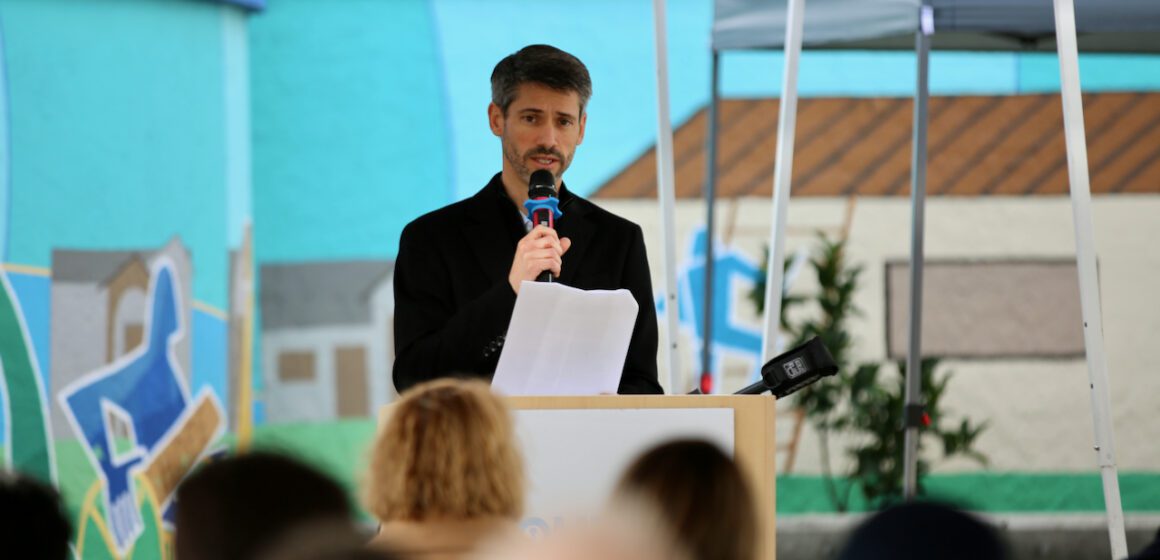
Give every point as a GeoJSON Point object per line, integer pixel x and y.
{"type": "Point", "coordinates": [486, 236]}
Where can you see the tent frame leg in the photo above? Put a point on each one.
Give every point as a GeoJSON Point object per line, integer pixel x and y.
{"type": "Point", "coordinates": [1085, 256]}
{"type": "Point", "coordinates": [666, 193]}
{"type": "Point", "coordinates": [913, 407]}
{"type": "Point", "coordinates": [782, 176]}
{"type": "Point", "coordinates": [710, 229]}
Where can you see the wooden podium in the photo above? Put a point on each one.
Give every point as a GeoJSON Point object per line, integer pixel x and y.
{"type": "Point", "coordinates": [594, 438]}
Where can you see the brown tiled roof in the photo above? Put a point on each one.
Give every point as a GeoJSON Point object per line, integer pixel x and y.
{"type": "Point", "coordinates": [1003, 145]}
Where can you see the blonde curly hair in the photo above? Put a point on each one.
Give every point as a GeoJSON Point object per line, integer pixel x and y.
{"type": "Point", "coordinates": [447, 451]}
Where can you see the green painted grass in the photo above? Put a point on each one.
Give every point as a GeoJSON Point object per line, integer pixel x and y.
{"type": "Point", "coordinates": [993, 492]}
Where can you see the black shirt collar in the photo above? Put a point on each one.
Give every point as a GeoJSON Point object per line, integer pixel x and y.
{"type": "Point", "coordinates": [505, 206]}
{"type": "Point", "coordinates": [495, 186]}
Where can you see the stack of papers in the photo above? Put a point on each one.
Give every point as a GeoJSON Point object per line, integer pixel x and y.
{"type": "Point", "coordinates": [565, 341]}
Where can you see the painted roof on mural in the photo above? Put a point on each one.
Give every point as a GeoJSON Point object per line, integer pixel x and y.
{"type": "Point", "coordinates": [99, 267]}
{"type": "Point", "coordinates": [978, 145]}
{"type": "Point", "coordinates": [320, 293]}
{"type": "Point", "coordinates": [91, 266]}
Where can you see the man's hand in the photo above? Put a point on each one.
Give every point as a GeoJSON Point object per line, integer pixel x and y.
{"type": "Point", "coordinates": [541, 249]}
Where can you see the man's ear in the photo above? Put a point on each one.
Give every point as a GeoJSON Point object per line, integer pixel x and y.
{"type": "Point", "coordinates": [583, 121]}
{"type": "Point", "coordinates": [495, 119]}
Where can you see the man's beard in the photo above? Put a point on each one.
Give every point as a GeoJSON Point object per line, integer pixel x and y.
{"type": "Point", "coordinates": [519, 164]}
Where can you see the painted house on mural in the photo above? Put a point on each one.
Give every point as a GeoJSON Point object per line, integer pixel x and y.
{"type": "Point", "coordinates": [1000, 284]}
{"type": "Point", "coordinates": [327, 339]}
{"type": "Point", "coordinates": [98, 312]}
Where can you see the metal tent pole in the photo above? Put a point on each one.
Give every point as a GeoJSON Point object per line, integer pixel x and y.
{"type": "Point", "coordinates": [710, 231]}
{"type": "Point", "coordinates": [913, 411]}
{"type": "Point", "coordinates": [665, 192]}
{"type": "Point", "coordinates": [1085, 256]}
{"type": "Point", "coordinates": [782, 175]}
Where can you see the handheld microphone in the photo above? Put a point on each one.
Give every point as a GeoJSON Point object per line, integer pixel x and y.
{"type": "Point", "coordinates": [543, 206]}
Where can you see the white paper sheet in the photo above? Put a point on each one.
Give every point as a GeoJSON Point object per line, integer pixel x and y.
{"type": "Point", "coordinates": [565, 341]}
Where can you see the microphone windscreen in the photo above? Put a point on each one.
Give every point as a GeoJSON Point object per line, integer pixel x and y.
{"type": "Point", "coordinates": [541, 184]}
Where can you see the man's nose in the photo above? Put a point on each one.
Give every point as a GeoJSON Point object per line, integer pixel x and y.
{"type": "Point", "coordinates": [548, 137]}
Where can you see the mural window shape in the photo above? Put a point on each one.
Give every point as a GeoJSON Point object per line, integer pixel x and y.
{"type": "Point", "coordinates": [351, 383]}
{"type": "Point", "coordinates": [126, 303]}
{"type": "Point", "coordinates": [296, 365]}
{"type": "Point", "coordinates": [131, 336]}
{"type": "Point", "coordinates": [121, 437]}
{"type": "Point", "coordinates": [998, 308]}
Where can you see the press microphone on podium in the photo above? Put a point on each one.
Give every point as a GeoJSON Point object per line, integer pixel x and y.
{"type": "Point", "coordinates": [543, 206]}
{"type": "Point", "coordinates": [790, 371]}
{"type": "Point", "coordinates": [794, 370]}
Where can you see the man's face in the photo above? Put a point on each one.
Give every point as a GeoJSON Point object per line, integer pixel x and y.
{"type": "Point", "coordinates": [541, 130]}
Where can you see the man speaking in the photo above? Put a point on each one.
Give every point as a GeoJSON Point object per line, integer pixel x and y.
{"type": "Point", "coordinates": [459, 268]}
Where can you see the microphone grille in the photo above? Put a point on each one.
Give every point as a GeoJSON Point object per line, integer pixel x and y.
{"type": "Point", "coordinates": [542, 179]}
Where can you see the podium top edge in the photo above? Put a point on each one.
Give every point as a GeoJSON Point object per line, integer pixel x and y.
{"type": "Point", "coordinates": [639, 401]}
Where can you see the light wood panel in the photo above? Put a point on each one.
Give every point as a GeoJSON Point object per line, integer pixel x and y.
{"type": "Point", "coordinates": [754, 439]}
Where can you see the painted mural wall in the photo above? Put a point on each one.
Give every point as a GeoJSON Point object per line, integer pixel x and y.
{"type": "Point", "coordinates": [126, 181]}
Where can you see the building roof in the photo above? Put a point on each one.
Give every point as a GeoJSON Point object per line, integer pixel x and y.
{"type": "Point", "coordinates": [69, 265]}
{"type": "Point", "coordinates": [90, 266]}
{"type": "Point", "coordinates": [320, 293]}
{"type": "Point", "coordinates": [978, 145]}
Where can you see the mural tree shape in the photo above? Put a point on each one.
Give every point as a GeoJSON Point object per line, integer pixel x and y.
{"type": "Point", "coordinates": [28, 443]}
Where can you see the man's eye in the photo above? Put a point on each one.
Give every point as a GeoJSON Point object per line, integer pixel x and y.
{"type": "Point", "coordinates": [565, 122]}
{"type": "Point", "coordinates": [529, 118]}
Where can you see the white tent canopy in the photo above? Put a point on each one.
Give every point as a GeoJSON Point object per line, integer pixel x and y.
{"type": "Point", "coordinates": [1062, 26]}
{"type": "Point", "coordinates": [1019, 25]}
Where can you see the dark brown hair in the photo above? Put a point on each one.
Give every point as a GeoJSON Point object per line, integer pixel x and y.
{"type": "Point", "coordinates": [540, 64]}
{"type": "Point", "coordinates": [700, 494]}
{"type": "Point", "coordinates": [234, 508]}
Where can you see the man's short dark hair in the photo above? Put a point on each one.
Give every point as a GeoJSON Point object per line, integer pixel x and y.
{"type": "Point", "coordinates": [32, 519]}
{"type": "Point", "coordinates": [541, 64]}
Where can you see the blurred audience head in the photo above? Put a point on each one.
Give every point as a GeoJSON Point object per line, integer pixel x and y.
{"type": "Point", "coordinates": [447, 452]}
{"type": "Point", "coordinates": [236, 508]}
{"type": "Point", "coordinates": [361, 552]}
{"type": "Point", "coordinates": [326, 540]}
{"type": "Point", "coordinates": [923, 530]}
{"type": "Point", "coordinates": [699, 494]}
{"type": "Point", "coordinates": [1151, 551]}
{"type": "Point", "coordinates": [624, 534]}
{"type": "Point", "coordinates": [32, 519]}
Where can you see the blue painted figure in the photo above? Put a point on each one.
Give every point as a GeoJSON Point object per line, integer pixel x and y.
{"type": "Point", "coordinates": [144, 394]}
{"type": "Point", "coordinates": [729, 335]}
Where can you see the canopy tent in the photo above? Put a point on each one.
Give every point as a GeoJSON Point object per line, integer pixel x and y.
{"type": "Point", "coordinates": [1009, 25]}
{"type": "Point", "coordinates": [975, 25]}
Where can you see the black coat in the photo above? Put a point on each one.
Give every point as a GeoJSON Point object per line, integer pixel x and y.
{"type": "Point", "coordinates": [453, 302]}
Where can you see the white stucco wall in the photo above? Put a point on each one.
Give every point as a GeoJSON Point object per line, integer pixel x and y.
{"type": "Point", "coordinates": [1039, 410]}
